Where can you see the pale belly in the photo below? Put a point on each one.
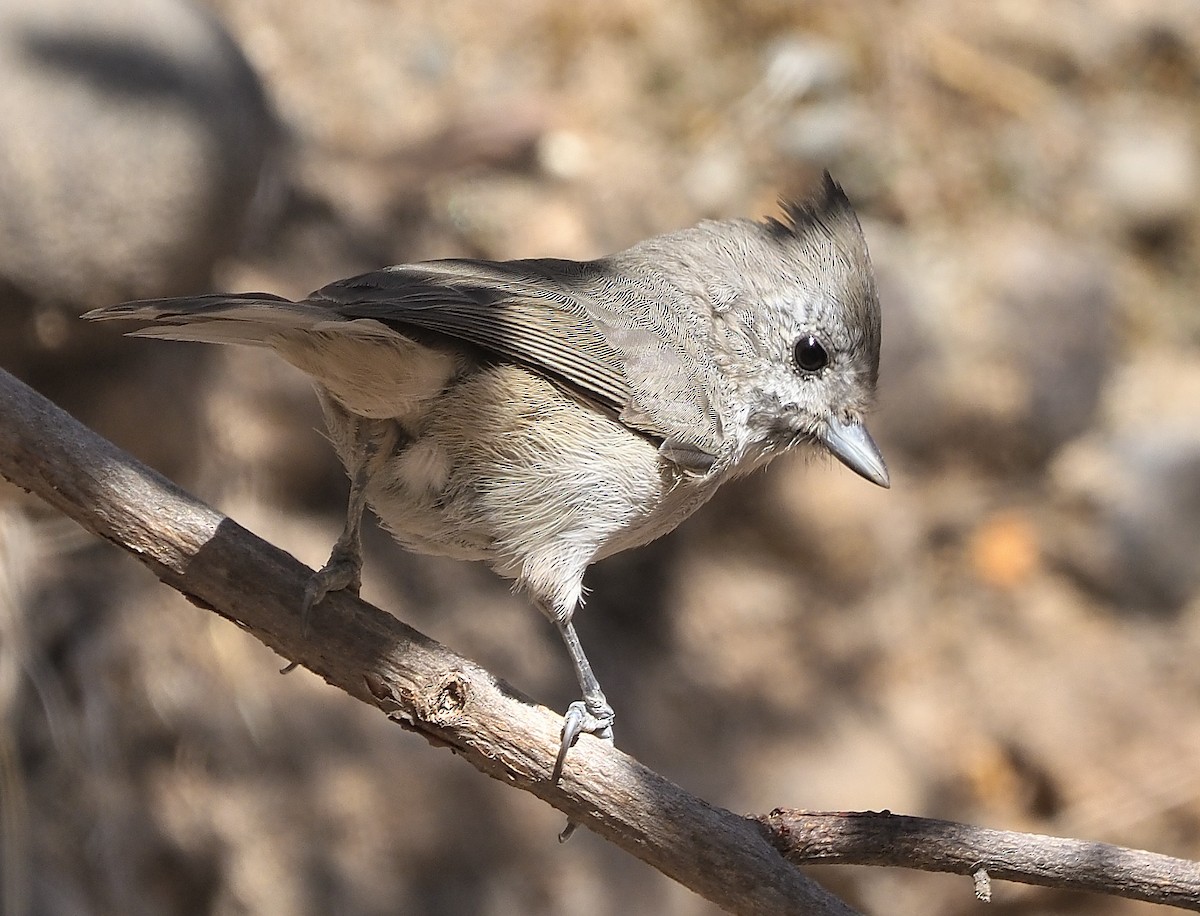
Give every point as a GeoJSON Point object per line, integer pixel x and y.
{"type": "Point", "coordinates": [506, 468]}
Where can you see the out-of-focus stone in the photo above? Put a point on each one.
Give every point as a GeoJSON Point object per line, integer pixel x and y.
{"type": "Point", "coordinates": [1148, 171]}
{"type": "Point", "coordinates": [1128, 498]}
{"type": "Point", "coordinates": [716, 178]}
{"type": "Point", "coordinates": [995, 347]}
{"type": "Point", "coordinates": [799, 66]}
{"type": "Point", "coordinates": [803, 101]}
{"type": "Point", "coordinates": [135, 141]}
{"type": "Point", "coordinates": [824, 131]}
{"type": "Point", "coordinates": [563, 154]}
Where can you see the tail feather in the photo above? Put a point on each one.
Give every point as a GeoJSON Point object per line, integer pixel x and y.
{"type": "Point", "coordinates": [342, 353]}
{"type": "Point", "coordinates": [213, 332]}
{"type": "Point", "coordinates": [246, 318]}
{"type": "Point", "coordinates": [182, 308]}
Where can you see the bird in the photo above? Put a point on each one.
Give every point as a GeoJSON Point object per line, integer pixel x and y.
{"type": "Point", "coordinates": [541, 414]}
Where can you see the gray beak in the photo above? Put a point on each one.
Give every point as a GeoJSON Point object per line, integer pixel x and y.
{"type": "Point", "coordinates": [853, 446]}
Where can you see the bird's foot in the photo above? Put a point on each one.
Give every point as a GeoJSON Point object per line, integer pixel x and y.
{"type": "Point", "coordinates": [594, 718]}
{"type": "Point", "coordinates": [343, 571]}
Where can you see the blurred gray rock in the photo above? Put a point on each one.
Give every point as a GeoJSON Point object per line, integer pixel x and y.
{"type": "Point", "coordinates": [824, 131]}
{"type": "Point", "coordinates": [805, 100]}
{"type": "Point", "coordinates": [1134, 528]}
{"type": "Point", "coordinates": [798, 66]}
{"type": "Point", "coordinates": [996, 345]}
{"type": "Point", "coordinates": [1128, 497]}
{"type": "Point", "coordinates": [1148, 171]}
{"type": "Point", "coordinates": [136, 137]}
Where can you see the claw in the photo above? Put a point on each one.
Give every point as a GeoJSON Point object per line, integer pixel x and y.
{"type": "Point", "coordinates": [340, 573]}
{"type": "Point", "coordinates": [581, 718]}
{"type": "Point", "coordinates": [571, 729]}
{"type": "Point", "coordinates": [343, 571]}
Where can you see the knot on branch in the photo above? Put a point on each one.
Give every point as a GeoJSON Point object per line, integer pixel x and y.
{"type": "Point", "coordinates": [435, 703]}
{"type": "Point", "coordinates": [450, 697]}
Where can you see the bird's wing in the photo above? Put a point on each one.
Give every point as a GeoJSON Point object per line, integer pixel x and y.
{"type": "Point", "coordinates": [564, 319]}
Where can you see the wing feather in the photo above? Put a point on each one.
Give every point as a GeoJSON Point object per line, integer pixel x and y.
{"type": "Point", "coordinates": [528, 311]}
{"type": "Point", "coordinates": [625, 345]}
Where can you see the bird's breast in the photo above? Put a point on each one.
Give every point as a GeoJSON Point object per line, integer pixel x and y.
{"type": "Point", "coordinates": [504, 466]}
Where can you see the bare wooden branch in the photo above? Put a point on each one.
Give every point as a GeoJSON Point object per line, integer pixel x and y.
{"type": "Point", "coordinates": [374, 657]}
{"type": "Point", "coordinates": [741, 864]}
{"type": "Point", "coordinates": [883, 838]}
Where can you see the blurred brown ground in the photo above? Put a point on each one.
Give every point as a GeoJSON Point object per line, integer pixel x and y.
{"type": "Point", "coordinates": [1010, 636]}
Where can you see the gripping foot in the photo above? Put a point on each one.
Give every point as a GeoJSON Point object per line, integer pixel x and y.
{"type": "Point", "coordinates": [581, 717]}
{"type": "Point", "coordinates": [342, 571]}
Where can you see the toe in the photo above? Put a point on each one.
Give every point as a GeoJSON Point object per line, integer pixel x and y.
{"type": "Point", "coordinates": [580, 717]}
{"type": "Point", "coordinates": [572, 728]}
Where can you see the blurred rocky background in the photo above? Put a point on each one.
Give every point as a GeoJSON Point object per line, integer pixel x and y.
{"type": "Point", "coordinates": [1010, 636]}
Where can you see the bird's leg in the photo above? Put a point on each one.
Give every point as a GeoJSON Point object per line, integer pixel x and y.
{"type": "Point", "coordinates": [592, 714]}
{"type": "Point", "coordinates": [343, 569]}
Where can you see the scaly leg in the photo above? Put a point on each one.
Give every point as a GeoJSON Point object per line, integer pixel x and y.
{"type": "Point", "coordinates": [343, 569]}
{"type": "Point", "coordinates": [368, 444]}
{"type": "Point", "coordinates": [592, 714]}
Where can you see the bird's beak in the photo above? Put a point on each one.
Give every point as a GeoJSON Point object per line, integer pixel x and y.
{"type": "Point", "coordinates": [853, 446]}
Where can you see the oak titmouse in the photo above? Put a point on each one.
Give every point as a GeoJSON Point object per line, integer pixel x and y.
{"type": "Point", "coordinates": [542, 414]}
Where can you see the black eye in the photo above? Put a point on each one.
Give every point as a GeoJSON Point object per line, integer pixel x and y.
{"type": "Point", "coordinates": [810, 355]}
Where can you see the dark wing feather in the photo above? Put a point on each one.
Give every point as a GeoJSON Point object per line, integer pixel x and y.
{"type": "Point", "coordinates": [616, 342]}
{"type": "Point", "coordinates": [527, 311]}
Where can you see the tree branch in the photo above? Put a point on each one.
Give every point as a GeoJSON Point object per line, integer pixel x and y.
{"type": "Point", "coordinates": [883, 838]}
{"type": "Point", "coordinates": [375, 658]}
{"type": "Point", "coordinates": [740, 864]}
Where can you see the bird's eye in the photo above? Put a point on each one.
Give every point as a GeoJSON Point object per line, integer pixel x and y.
{"type": "Point", "coordinates": [810, 355]}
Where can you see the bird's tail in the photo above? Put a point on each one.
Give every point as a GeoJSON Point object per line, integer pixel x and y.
{"type": "Point", "coordinates": [254, 319]}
